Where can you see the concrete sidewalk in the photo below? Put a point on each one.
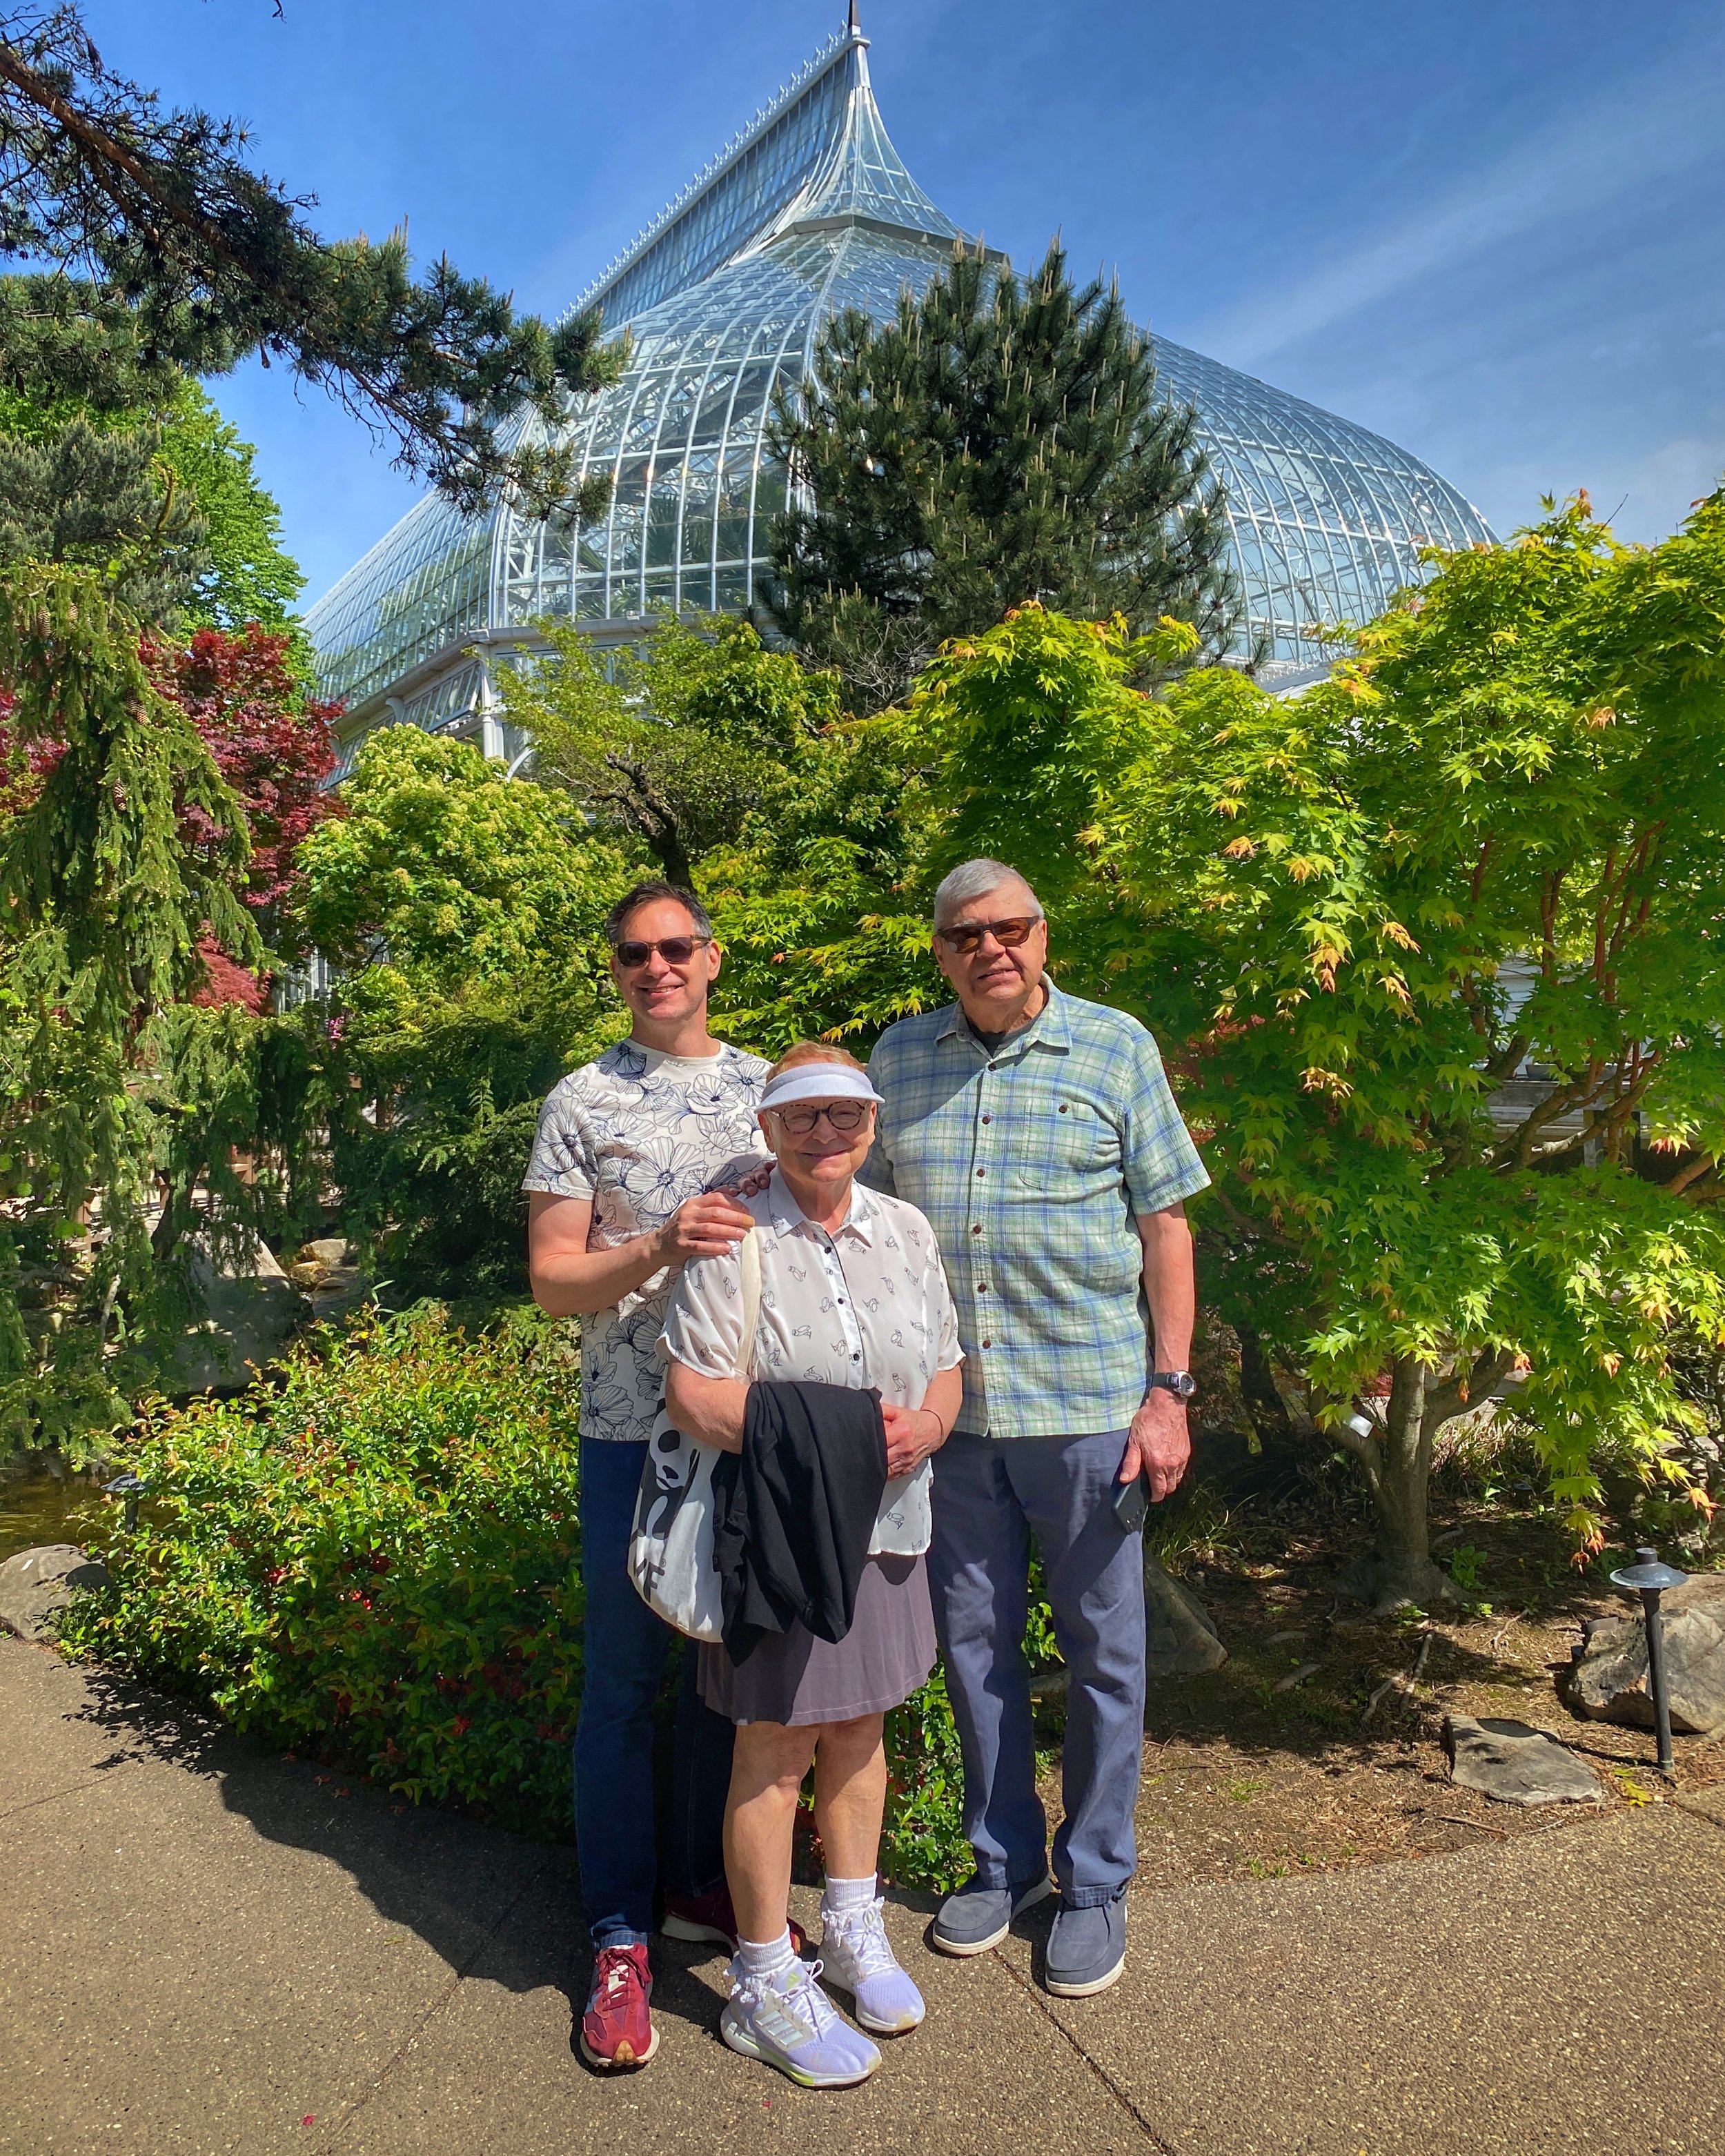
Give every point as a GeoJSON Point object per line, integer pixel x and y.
{"type": "Point", "coordinates": [208, 1950]}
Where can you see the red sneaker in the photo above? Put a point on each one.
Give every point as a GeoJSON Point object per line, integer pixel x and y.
{"type": "Point", "coordinates": [617, 2030]}
{"type": "Point", "coordinates": [709, 1919]}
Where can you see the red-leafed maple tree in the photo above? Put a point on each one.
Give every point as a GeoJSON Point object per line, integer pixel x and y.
{"type": "Point", "coordinates": [271, 742]}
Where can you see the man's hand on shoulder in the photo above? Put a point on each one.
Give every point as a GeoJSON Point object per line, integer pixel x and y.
{"type": "Point", "coordinates": [746, 1175]}
{"type": "Point", "coordinates": [708, 1225]}
{"type": "Point", "coordinates": [1159, 1443]}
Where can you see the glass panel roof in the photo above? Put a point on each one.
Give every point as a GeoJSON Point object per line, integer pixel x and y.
{"type": "Point", "coordinates": [425, 584]}
{"type": "Point", "coordinates": [810, 209]}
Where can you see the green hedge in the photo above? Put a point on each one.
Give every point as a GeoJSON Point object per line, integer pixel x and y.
{"type": "Point", "coordinates": [376, 1563]}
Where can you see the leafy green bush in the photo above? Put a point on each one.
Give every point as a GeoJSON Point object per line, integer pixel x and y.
{"type": "Point", "coordinates": [462, 909]}
{"type": "Point", "coordinates": [376, 1563]}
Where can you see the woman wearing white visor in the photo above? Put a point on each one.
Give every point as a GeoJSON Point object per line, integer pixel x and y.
{"type": "Point", "coordinates": [852, 1294]}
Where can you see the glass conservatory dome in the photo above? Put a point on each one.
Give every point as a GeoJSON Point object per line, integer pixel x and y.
{"type": "Point", "coordinates": [809, 210]}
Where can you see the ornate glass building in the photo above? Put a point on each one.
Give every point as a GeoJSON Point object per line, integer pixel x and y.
{"type": "Point", "coordinates": [810, 209]}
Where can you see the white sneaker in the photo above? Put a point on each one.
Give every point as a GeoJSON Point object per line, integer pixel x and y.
{"type": "Point", "coordinates": [787, 2020]}
{"type": "Point", "coordinates": [857, 1958]}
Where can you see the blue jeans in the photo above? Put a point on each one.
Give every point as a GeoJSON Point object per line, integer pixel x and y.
{"type": "Point", "coordinates": [989, 1496]}
{"type": "Point", "coordinates": [625, 1647]}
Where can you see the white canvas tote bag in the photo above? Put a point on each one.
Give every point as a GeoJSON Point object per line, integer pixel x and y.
{"type": "Point", "coordinates": [670, 1545]}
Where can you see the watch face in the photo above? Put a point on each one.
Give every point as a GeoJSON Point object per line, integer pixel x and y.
{"type": "Point", "coordinates": [1180, 1383]}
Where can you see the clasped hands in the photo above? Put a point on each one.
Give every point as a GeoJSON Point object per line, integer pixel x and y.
{"type": "Point", "coordinates": [709, 1226]}
{"type": "Point", "coordinates": [912, 1433]}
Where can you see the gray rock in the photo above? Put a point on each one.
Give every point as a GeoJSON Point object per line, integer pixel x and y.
{"type": "Point", "coordinates": [325, 1251]}
{"type": "Point", "coordinates": [342, 1290]}
{"type": "Point", "coordinates": [1609, 1683]}
{"type": "Point", "coordinates": [248, 1323]}
{"type": "Point", "coordinates": [1182, 1641]}
{"type": "Point", "coordinates": [1516, 1763]}
{"type": "Point", "coordinates": [36, 1584]}
{"type": "Point", "coordinates": [251, 1312]}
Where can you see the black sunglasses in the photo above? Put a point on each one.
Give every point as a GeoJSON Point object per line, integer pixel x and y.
{"type": "Point", "coordinates": [675, 950]}
{"type": "Point", "coordinates": [968, 936]}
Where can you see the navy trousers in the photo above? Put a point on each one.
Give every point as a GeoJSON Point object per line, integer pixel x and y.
{"type": "Point", "coordinates": [990, 1496]}
{"type": "Point", "coordinates": [625, 1647]}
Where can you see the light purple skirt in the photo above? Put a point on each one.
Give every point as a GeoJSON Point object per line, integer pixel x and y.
{"type": "Point", "coordinates": [793, 1678]}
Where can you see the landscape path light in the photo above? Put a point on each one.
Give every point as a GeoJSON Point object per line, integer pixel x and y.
{"type": "Point", "coordinates": [131, 1487]}
{"type": "Point", "coordinates": [1649, 1578]}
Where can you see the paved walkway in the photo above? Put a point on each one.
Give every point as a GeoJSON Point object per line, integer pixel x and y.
{"type": "Point", "coordinates": [207, 1950]}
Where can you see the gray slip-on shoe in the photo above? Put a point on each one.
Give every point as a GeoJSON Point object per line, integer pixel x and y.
{"type": "Point", "coordinates": [977, 1918]}
{"type": "Point", "coordinates": [1086, 1950]}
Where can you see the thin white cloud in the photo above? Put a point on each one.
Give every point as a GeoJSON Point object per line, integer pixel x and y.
{"type": "Point", "coordinates": [1663, 124]}
{"type": "Point", "coordinates": [1644, 491]}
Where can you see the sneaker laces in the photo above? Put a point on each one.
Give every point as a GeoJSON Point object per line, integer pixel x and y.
{"type": "Point", "coordinates": [863, 1933]}
{"type": "Point", "coordinates": [616, 1969]}
{"type": "Point", "coordinates": [792, 2003]}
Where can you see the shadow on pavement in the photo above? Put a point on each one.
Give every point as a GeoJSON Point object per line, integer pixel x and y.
{"type": "Point", "coordinates": [493, 1906]}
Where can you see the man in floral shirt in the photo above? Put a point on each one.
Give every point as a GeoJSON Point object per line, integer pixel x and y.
{"type": "Point", "coordinates": [624, 1182]}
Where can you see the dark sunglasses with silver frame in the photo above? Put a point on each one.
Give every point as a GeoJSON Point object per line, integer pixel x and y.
{"type": "Point", "coordinates": [675, 950]}
{"type": "Point", "coordinates": [965, 937]}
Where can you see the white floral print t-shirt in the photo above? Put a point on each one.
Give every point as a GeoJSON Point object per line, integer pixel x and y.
{"type": "Point", "coordinates": [637, 1132]}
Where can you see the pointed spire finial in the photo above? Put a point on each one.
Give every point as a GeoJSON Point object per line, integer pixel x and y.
{"type": "Point", "coordinates": [853, 28]}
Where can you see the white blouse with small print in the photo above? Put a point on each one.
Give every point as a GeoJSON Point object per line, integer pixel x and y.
{"type": "Point", "coordinates": [866, 1307]}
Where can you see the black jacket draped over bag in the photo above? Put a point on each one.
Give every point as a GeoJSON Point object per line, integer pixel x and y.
{"type": "Point", "coordinates": [793, 1513]}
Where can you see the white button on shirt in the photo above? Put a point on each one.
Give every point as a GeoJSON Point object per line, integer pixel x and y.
{"type": "Point", "coordinates": [867, 1306]}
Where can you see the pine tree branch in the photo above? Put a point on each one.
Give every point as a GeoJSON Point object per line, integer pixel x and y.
{"type": "Point", "coordinates": [216, 262]}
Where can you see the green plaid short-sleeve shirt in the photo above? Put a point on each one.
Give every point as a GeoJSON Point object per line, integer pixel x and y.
{"type": "Point", "coordinates": [1032, 1163]}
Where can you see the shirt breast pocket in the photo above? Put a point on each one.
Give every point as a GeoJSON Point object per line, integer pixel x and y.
{"type": "Point", "coordinates": [1073, 1142]}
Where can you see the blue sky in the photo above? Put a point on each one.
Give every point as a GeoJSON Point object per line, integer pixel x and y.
{"type": "Point", "coordinates": [1494, 230]}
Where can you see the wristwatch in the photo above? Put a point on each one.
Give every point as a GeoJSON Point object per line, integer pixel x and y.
{"type": "Point", "coordinates": [1180, 1383]}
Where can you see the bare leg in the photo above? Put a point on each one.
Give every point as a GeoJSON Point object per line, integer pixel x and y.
{"type": "Point", "coordinates": [850, 1795]}
{"type": "Point", "coordinates": [766, 1771]}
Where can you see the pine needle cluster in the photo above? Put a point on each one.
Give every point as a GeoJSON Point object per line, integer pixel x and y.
{"type": "Point", "coordinates": [161, 209]}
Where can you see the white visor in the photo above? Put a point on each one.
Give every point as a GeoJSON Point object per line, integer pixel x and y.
{"type": "Point", "coordinates": [818, 1081]}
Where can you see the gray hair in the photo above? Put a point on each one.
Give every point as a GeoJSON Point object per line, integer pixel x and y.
{"type": "Point", "coordinates": [976, 879]}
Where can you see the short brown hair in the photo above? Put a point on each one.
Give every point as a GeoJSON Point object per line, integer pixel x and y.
{"type": "Point", "coordinates": [649, 892]}
{"type": "Point", "coordinates": [815, 1051]}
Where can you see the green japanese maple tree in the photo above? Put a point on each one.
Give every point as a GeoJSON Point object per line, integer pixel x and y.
{"type": "Point", "coordinates": [1435, 950]}
{"type": "Point", "coordinates": [463, 912]}
{"type": "Point", "coordinates": [674, 745]}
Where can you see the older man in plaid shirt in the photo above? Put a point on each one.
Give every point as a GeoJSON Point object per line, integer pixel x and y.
{"type": "Point", "coordinates": [1038, 1134]}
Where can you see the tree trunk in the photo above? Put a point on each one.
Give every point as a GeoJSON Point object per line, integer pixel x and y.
{"type": "Point", "coordinates": [667, 843]}
{"type": "Point", "coordinates": [1403, 1571]}
{"type": "Point", "coordinates": [1264, 1403]}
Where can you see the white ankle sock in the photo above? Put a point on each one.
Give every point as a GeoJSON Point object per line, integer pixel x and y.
{"type": "Point", "coordinates": [766, 1958]}
{"type": "Point", "coordinates": [843, 1897]}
